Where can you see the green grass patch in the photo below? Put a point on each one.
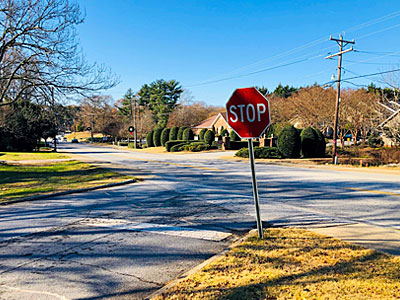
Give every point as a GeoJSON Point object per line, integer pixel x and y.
{"type": "Point", "coordinates": [18, 156]}
{"type": "Point", "coordinates": [294, 264]}
{"type": "Point", "coordinates": [20, 181]}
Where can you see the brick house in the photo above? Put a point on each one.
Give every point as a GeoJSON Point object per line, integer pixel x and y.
{"type": "Point", "coordinates": [218, 121]}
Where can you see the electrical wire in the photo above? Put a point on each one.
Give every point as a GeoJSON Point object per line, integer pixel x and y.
{"type": "Point", "coordinates": [255, 72]}
{"type": "Point", "coordinates": [375, 21]}
{"type": "Point", "coordinates": [299, 48]}
{"type": "Point", "coordinates": [363, 76]}
{"type": "Point", "coordinates": [367, 63]}
{"type": "Point", "coordinates": [373, 79]}
{"type": "Point", "coordinates": [378, 52]}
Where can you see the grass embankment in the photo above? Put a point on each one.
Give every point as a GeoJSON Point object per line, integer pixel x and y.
{"type": "Point", "coordinates": [294, 264]}
{"type": "Point", "coordinates": [21, 181]}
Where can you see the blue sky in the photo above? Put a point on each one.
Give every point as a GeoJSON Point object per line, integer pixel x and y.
{"type": "Point", "coordinates": [199, 41]}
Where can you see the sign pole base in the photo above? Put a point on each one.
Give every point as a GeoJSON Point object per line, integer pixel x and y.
{"type": "Point", "coordinates": [255, 190]}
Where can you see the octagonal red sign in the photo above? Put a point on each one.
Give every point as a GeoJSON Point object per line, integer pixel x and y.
{"type": "Point", "coordinates": [247, 112]}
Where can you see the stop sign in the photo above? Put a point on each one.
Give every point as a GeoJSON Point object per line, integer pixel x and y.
{"type": "Point", "coordinates": [247, 112]}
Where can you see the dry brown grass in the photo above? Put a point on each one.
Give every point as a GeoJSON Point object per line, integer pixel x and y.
{"type": "Point", "coordinates": [294, 264]}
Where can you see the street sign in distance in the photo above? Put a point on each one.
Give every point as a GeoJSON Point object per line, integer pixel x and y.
{"type": "Point", "coordinates": [247, 113]}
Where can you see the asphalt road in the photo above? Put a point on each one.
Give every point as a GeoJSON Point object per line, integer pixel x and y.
{"type": "Point", "coordinates": [128, 241]}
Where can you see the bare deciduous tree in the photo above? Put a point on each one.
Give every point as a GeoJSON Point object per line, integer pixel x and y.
{"type": "Point", "coordinates": [96, 112]}
{"type": "Point", "coordinates": [39, 54]}
{"type": "Point", "coordinates": [314, 106]}
{"type": "Point", "coordinates": [360, 111]}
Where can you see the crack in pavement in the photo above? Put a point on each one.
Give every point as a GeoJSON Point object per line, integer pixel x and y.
{"type": "Point", "coordinates": [104, 269]}
{"type": "Point", "coordinates": [56, 253]}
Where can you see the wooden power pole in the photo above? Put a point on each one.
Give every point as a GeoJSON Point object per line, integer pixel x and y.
{"type": "Point", "coordinates": [342, 43]}
{"type": "Point", "coordinates": [133, 111]}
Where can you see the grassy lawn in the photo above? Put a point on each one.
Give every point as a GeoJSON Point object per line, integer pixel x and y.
{"type": "Point", "coordinates": [21, 181]}
{"type": "Point", "coordinates": [294, 264]}
{"type": "Point", "coordinates": [5, 156]}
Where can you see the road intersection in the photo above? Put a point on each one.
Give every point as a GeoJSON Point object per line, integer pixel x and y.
{"type": "Point", "coordinates": [126, 242]}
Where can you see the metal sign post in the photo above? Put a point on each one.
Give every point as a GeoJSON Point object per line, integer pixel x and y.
{"type": "Point", "coordinates": [255, 190]}
{"type": "Point", "coordinates": [248, 114]}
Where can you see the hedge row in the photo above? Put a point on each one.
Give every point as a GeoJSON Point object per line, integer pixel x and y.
{"type": "Point", "coordinates": [159, 137]}
{"type": "Point", "coordinates": [190, 146]}
{"type": "Point", "coordinates": [260, 152]}
{"type": "Point", "coordinates": [170, 144]}
{"type": "Point", "coordinates": [291, 143]}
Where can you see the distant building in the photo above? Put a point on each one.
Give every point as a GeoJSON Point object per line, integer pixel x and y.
{"type": "Point", "coordinates": [218, 121]}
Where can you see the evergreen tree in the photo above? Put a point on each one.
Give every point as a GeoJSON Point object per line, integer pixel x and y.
{"type": "Point", "coordinates": [161, 97]}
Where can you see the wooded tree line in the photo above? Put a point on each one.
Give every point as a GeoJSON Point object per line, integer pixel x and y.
{"type": "Point", "coordinates": [41, 65]}
{"type": "Point", "coordinates": [156, 105]}
{"type": "Point", "coordinates": [360, 109]}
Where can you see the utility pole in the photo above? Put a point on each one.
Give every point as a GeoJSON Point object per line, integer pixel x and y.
{"type": "Point", "coordinates": [55, 119]}
{"type": "Point", "coordinates": [133, 110]}
{"type": "Point", "coordinates": [342, 43]}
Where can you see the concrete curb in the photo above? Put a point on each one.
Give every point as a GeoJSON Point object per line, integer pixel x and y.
{"type": "Point", "coordinates": [197, 268]}
{"type": "Point", "coordinates": [45, 196]}
{"type": "Point", "coordinates": [307, 165]}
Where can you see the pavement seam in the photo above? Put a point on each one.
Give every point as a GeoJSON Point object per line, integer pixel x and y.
{"type": "Point", "coordinates": [197, 268]}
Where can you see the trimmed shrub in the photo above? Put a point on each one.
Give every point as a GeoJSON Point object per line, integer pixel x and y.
{"type": "Point", "coordinates": [321, 143]}
{"type": "Point", "coordinates": [289, 142]}
{"type": "Point", "coordinates": [375, 141]}
{"type": "Point", "coordinates": [173, 133]}
{"type": "Point", "coordinates": [215, 145]}
{"type": "Point", "coordinates": [157, 137]}
{"type": "Point", "coordinates": [170, 144]}
{"type": "Point", "coordinates": [188, 134]}
{"type": "Point", "coordinates": [224, 132]}
{"type": "Point", "coordinates": [234, 137]}
{"type": "Point", "coordinates": [165, 136]}
{"type": "Point", "coordinates": [197, 146]}
{"type": "Point", "coordinates": [149, 139]}
{"type": "Point", "coordinates": [180, 132]}
{"type": "Point", "coordinates": [209, 137]}
{"type": "Point", "coordinates": [309, 142]}
{"type": "Point", "coordinates": [202, 133]}
{"type": "Point", "coordinates": [178, 147]}
{"type": "Point", "coordinates": [275, 129]}
{"type": "Point", "coordinates": [260, 152]}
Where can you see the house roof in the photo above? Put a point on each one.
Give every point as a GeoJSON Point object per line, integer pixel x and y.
{"type": "Point", "coordinates": [208, 123]}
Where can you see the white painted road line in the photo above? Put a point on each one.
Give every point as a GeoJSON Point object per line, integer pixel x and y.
{"type": "Point", "coordinates": [188, 232]}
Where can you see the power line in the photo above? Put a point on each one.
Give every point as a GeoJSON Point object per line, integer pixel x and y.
{"type": "Point", "coordinates": [362, 76]}
{"type": "Point", "coordinates": [367, 63]}
{"type": "Point", "coordinates": [255, 72]}
{"type": "Point", "coordinates": [375, 21]}
{"type": "Point", "coordinates": [378, 31]}
{"type": "Point", "coordinates": [378, 52]}
{"type": "Point", "coordinates": [299, 48]}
